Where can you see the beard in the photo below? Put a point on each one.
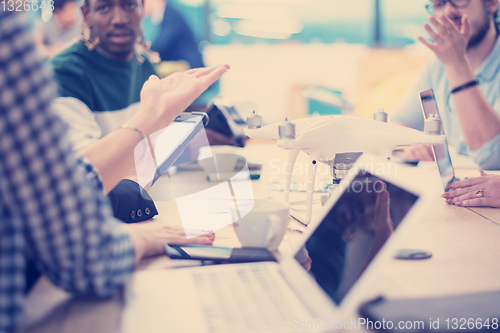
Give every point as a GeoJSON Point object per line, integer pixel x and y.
{"type": "Point", "coordinates": [482, 29]}
{"type": "Point", "coordinates": [479, 35]}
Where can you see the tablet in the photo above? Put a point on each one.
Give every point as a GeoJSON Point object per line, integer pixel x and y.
{"type": "Point", "coordinates": [218, 254]}
{"type": "Point", "coordinates": [169, 144]}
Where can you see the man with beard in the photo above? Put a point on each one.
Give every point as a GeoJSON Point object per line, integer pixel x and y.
{"type": "Point", "coordinates": [465, 76]}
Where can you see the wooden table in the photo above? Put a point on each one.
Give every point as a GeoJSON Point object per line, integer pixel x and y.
{"type": "Point", "coordinates": [465, 245]}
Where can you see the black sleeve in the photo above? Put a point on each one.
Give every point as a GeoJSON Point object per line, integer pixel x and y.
{"type": "Point", "coordinates": [131, 203]}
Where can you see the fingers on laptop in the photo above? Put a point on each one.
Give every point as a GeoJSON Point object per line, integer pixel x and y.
{"type": "Point", "coordinates": [461, 194]}
{"type": "Point", "coordinates": [463, 184]}
{"type": "Point", "coordinates": [476, 202]}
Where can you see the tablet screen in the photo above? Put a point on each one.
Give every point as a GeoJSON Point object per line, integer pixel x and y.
{"type": "Point", "coordinates": [173, 137]}
{"type": "Point", "coordinates": [354, 230]}
{"type": "Point", "coordinates": [173, 140]}
{"type": "Point", "coordinates": [169, 144]}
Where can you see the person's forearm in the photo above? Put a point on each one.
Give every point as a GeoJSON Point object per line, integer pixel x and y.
{"type": "Point", "coordinates": [138, 239]}
{"type": "Point", "coordinates": [478, 120]}
{"type": "Point", "coordinates": [113, 156]}
{"type": "Point", "coordinates": [161, 101]}
{"type": "Point", "coordinates": [148, 238]}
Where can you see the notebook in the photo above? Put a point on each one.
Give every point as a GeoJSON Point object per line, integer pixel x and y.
{"type": "Point", "coordinates": [440, 151]}
{"type": "Point", "coordinates": [344, 243]}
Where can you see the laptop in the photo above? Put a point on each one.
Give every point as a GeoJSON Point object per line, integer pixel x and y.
{"type": "Point", "coordinates": [440, 151]}
{"type": "Point", "coordinates": [345, 243]}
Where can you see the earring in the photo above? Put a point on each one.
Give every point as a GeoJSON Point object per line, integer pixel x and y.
{"type": "Point", "coordinates": [86, 37]}
{"type": "Point", "coordinates": [141, 47]}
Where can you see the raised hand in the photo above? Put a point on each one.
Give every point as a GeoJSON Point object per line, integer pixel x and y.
{"type": "Point", "coordinates": [162, 100]}
{"type": "Point", "coordinates": [449, 43]}
{"type": "Point", "coordinates": [116, 154]}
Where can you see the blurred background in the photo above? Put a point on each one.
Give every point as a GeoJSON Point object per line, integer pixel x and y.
{"type": "Point", "coordinates": [294, 58]}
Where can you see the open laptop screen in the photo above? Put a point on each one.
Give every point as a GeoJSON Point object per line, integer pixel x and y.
{"type": "Point", "coordinates": [354, 230]}
{"type": "Point", "coordinates": [441, 152]}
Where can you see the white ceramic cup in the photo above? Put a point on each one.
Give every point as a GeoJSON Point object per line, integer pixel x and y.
{"type": "Point", "coordinates": [265, 225]}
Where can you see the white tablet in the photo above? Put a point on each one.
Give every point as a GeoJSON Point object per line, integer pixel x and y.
{"type": "Point", "coordinates": [168, 145]}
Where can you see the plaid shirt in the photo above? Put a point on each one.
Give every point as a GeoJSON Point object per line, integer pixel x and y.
{"type": "Point", "coordinates": [49, 210]}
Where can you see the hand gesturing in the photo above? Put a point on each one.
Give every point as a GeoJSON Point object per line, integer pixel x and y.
{"type": "Point", "coordinates": [162, 100]}
{"type": "Point", "coordinates": [449, 43]}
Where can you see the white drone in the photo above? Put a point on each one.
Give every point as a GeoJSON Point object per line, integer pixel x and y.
{"type": "Point", "coordinates": [337, 141]}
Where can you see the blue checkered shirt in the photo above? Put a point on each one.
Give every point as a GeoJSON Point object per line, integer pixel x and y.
{"type": "Point", "coordinates": [52, 208]}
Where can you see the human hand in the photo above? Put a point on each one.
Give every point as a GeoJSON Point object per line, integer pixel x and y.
{"type": "Point", "coordinates": [421, 152]}
{"type": "Point", "coordinates": [475, 192]}
{"type": "Point", "coordinates": [449, 42]}
{"type": "Point", "coordinates": [162, 100]}
{"type": "Point", "coordinates": [150, 238]}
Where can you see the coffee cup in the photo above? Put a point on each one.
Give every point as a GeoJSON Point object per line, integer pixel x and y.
{"type": "Point", "coordinates": [265, 224]}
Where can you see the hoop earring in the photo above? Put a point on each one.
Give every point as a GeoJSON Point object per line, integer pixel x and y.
{"type": "Point", "coordinates": [86, 37]}
{"type": "Point", "coordinates": [141, 47]}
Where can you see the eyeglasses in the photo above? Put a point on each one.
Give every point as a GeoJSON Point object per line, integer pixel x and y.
{"type": "Point", "coordinates": [437, 6]}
